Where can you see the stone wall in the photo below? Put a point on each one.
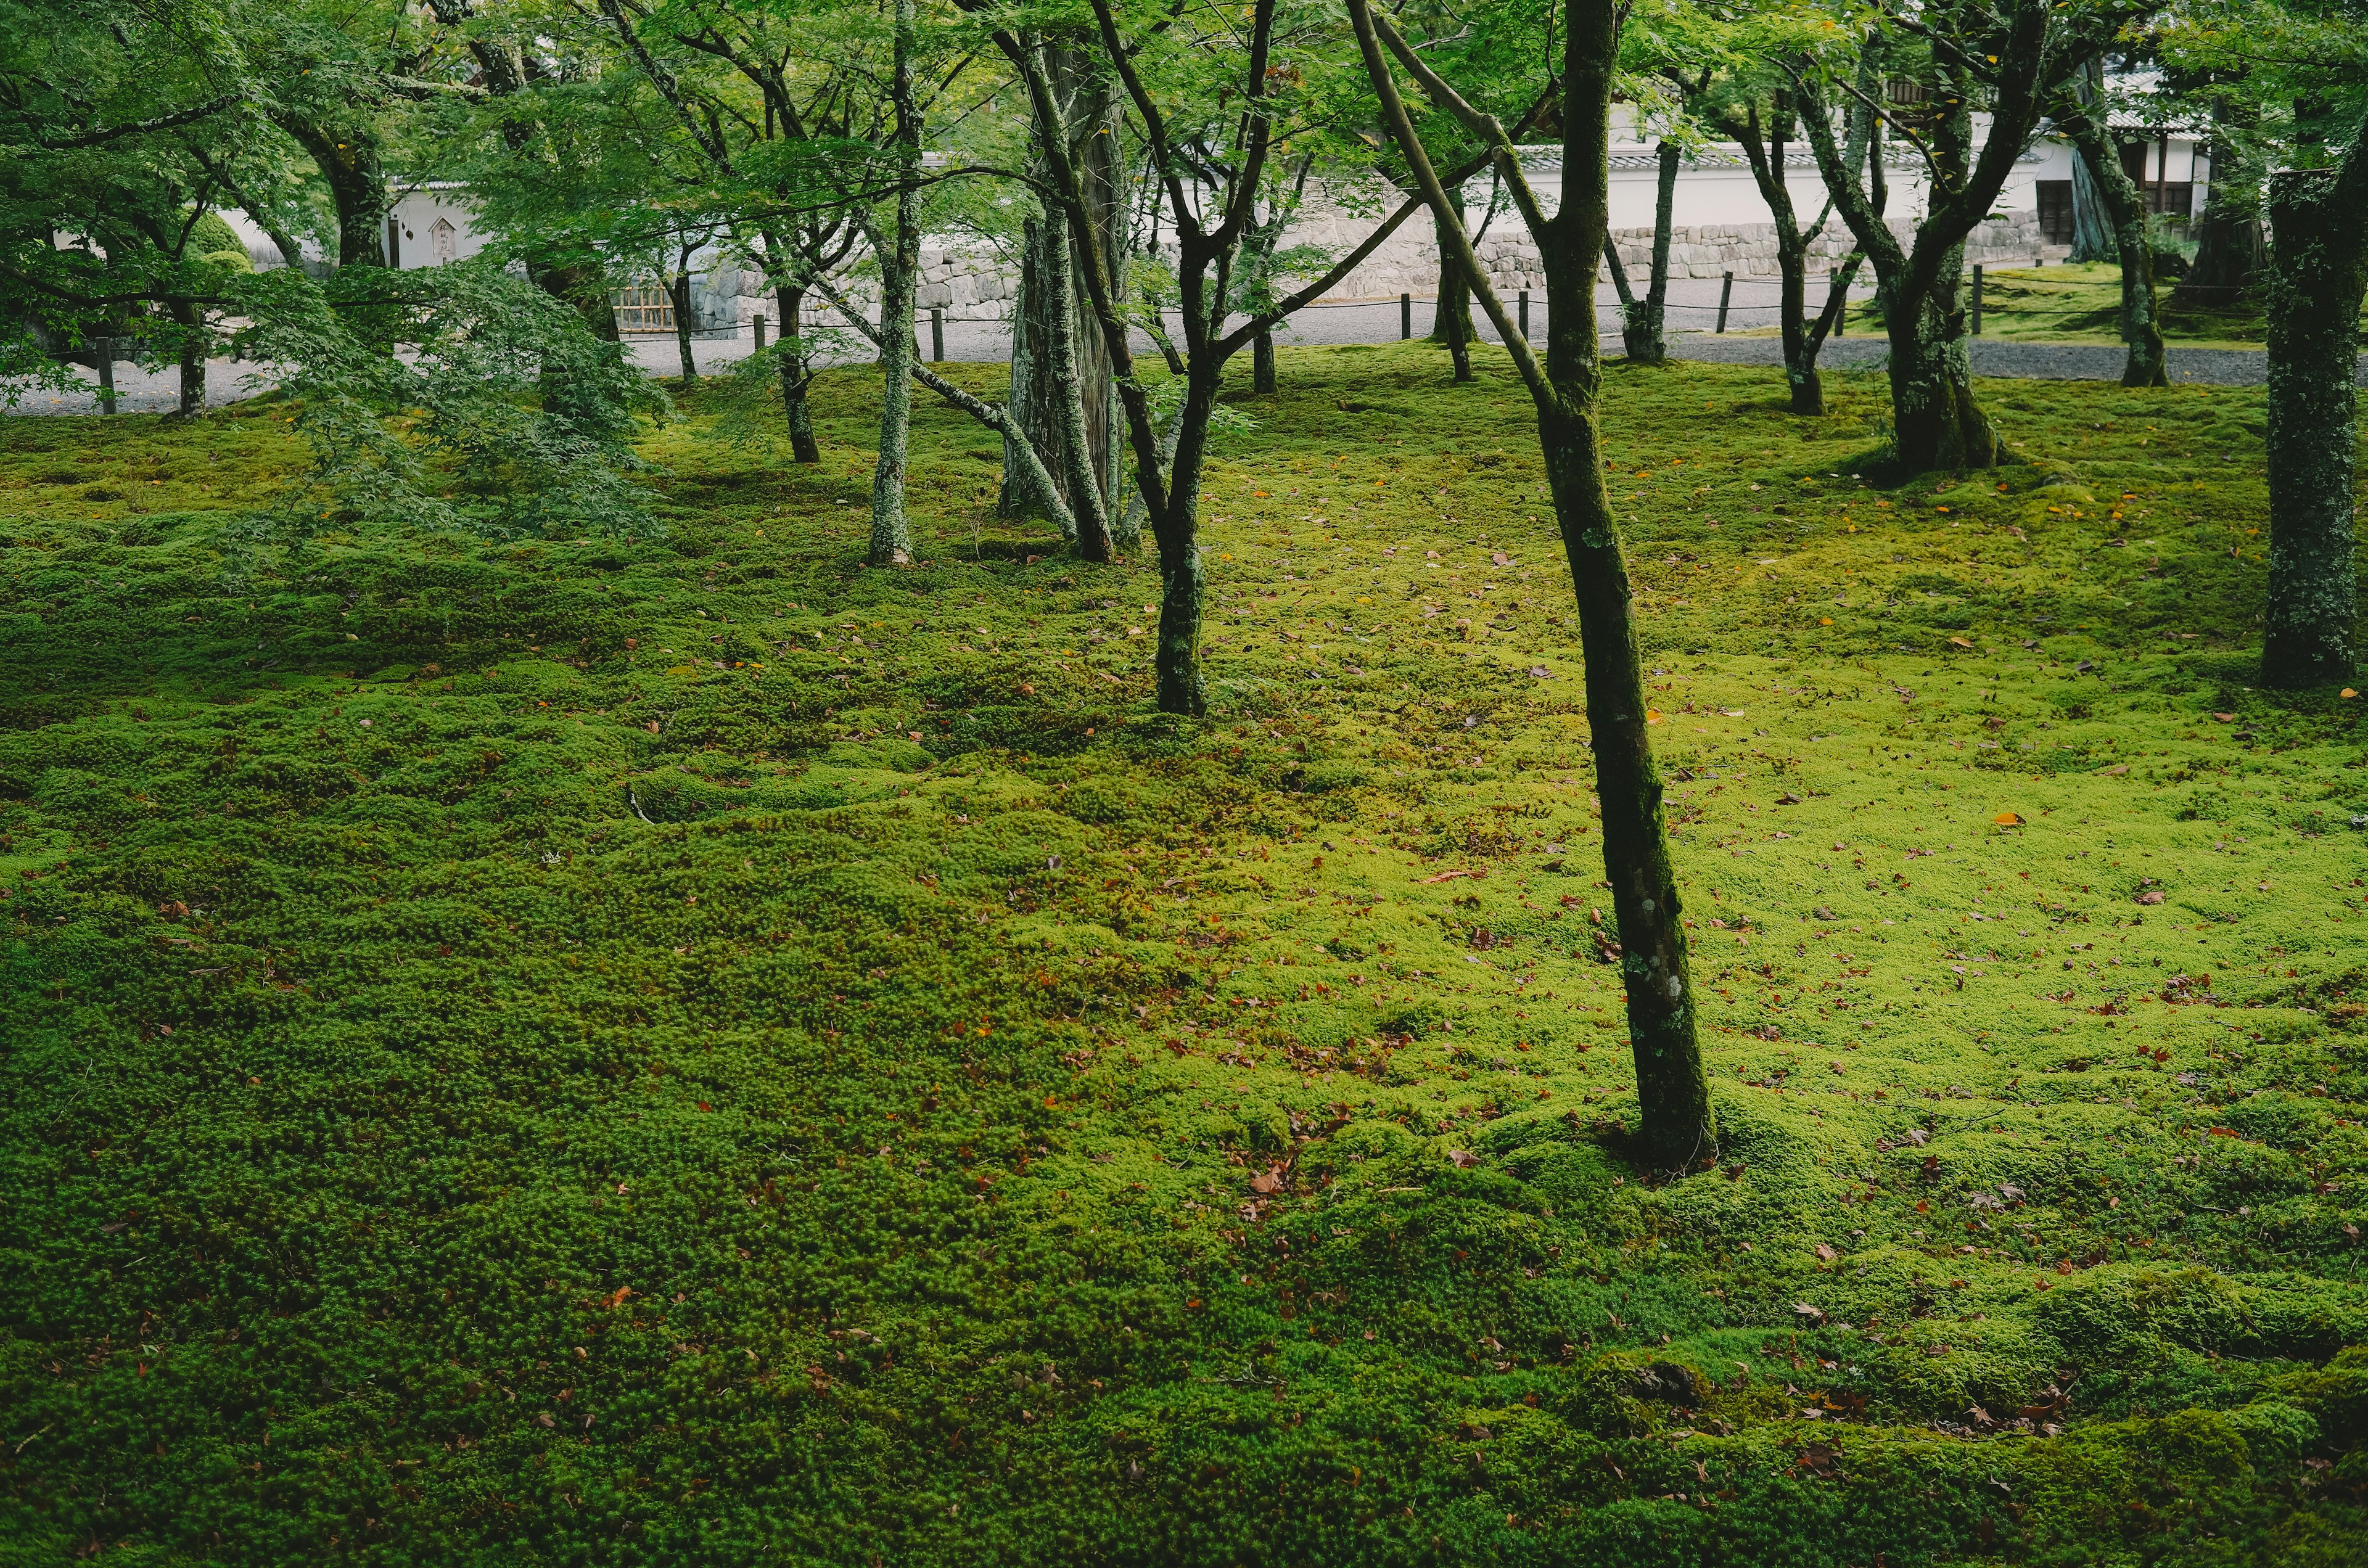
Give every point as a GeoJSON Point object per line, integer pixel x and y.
{"type": "Point", "coordinates": [975, 284]}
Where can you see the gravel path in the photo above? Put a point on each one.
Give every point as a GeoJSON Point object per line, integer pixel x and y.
{"type": "Point", "coordinates": [1693, 308]}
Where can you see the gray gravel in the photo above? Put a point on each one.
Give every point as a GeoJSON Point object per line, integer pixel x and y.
{"type": "Point", "coordinates": [1693, 310]}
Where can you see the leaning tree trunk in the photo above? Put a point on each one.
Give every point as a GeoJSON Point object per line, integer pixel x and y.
{"type": "Point", "coordinates": [1679, 1132]}
{"type": "Point", "coordinates": [1936, 423]}
{"type": "Point", "coordinates": [1673, 1093]}
{"type": "Point", "coordinates": [900, 271]}
{"type": "Point", "coordinates": [794, 374]}
{"type": "Point", "coordinates": [2124, 210]}
{"type": "Point", "coordinates": [2316, 279]}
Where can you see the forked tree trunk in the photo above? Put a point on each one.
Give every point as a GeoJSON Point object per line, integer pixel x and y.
{"type": "Point", "coordinates": [1803, 338]}
{"type": "Point", "coordinates": [795, 373]}
{"type": "Point", "coordinates": [2316, 279]}
{"type": "Point", "coordinates": [1936, 423]}
{"type": "Point", "coordinates": [1680, 1133]}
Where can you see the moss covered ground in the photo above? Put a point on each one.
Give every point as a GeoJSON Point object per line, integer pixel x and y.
{"type": "Point", "coordinates": [2081, 302]}
{"type": "Point", "coordinates": [683, 1049]}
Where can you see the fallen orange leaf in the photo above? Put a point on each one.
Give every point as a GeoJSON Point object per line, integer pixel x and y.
{"type": "Point", "coordinates": [2007, 819]}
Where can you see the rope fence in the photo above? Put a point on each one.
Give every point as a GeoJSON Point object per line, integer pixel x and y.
{"type": "Point", "coordinates": [938, 321]}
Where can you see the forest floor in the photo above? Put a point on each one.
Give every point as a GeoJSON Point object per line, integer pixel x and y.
{"type": "Point", "coordinates": [685, 1048]}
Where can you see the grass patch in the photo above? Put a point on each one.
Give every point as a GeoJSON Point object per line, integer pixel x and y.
{"type": "Point", "coordinates": [685, 1047]}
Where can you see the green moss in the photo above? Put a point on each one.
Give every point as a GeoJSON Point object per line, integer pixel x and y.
{"type": "Point", "coordinates": [642, 1051]}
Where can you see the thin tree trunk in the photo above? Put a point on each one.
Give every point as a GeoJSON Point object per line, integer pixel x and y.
{"type": "Point", "coordinates": [1651, 333]}
{"type": "Point", "coordinates": [2315, 278]}
{"type": "Point", "coordinates": [1680, 1133]}
{"type": "Point", "coordinates": [1177, 660]}
{"type": "Point", "coordinates": [678, 289]}
{"type": "Point", "coordinates": [892, 533]}
{"type": "Point", "coordinates": [795, 375]}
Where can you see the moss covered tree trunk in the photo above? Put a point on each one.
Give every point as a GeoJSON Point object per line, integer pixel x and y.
{"type": "Point", "coordinates": [2315, 278]}
{"type": "Point", "coordinates": [1936, 423]}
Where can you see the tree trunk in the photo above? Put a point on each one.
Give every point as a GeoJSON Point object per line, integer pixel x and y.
{"type": "Point", "coordinates": [1030, 328]}
{"type": "Point", "coordinates": [1084, 490]}
{"type": "Point", "coordinates": [349, 162]}
{"type": "Point", "coordinates": [1680, 1133]}
{"type": "Point", "coordinates": [1177, 660]}
{"type": "Point", "coordinates": [1086, 104]}
{"type": "Point", "coordinates": [2228, 250]}
{"type": "Point", "coordinates": [2092, 231]}
{"type": "Point", "coordinates": [585, 286]}
{"type": "Point", "coordinates": [1262, 363]}
{"type": "Point", "coordinates": [2316, 279]}
{"type": "Point", "coordinates": [799, 417]}
{"type": "Point", "coordinates": [900, 267]}
{"type": "Point", "coordinates": [678, 289]}
{"type": "Point", "coordinates": [1650, 333]}
{"type": "Point", "coordinates": [1450, 319]}
{"type": "Point", "coordinates": [1936, 423]}
{"type": "Point", "coordinates": [1808, 388]}
{"type": "Point", "coordinates": [190, 320]}
{"type": "Point", "coordinates": [2124, 206]}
